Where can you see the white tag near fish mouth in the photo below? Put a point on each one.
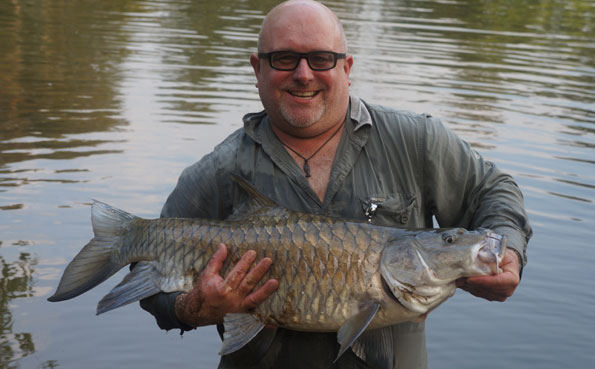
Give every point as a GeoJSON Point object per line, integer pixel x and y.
{"type": "Point", "coordinates": [492, 252]}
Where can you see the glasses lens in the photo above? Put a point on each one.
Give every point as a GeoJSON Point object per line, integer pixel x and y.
{"type": "Point", "coordinates": [289, 60]}
{"type": "Point", "coordinates": [284, 60]}
{"type": "Point", "coordinates": [321, 60]}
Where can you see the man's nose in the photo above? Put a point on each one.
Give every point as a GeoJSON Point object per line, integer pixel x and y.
{"type": "Point", "coordinates": [303, 71]}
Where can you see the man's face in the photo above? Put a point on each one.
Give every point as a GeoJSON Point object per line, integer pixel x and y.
{"type": "Point", "coordinates": [299, 99]}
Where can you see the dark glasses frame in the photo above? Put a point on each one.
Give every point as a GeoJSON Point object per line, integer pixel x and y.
{"type": "Point", "coordinates": [299, 56]}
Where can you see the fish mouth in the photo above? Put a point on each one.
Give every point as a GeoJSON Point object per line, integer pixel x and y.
{"type": "Point", "coordinates": [492, 251]}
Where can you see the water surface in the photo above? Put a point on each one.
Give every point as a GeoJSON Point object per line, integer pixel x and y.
{"type": "Point", "coordinates": [110, 100]}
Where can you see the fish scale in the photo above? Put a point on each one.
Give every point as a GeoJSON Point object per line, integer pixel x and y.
{"type": "Point", "coordinates": [333, 274]}
{"type": "Point", "coordinates": [329, 275]}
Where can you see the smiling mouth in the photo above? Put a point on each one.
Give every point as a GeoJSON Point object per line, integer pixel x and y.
{"type": "Point", "coordinates": [303, 94]}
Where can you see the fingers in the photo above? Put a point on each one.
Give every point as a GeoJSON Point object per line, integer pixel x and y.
{"type": "Point", "coordinates": [511, 262]}
{"type": "Point", "coordinates": [498, 287]}
{"type": "Point", "coordinates": [247, 281]}
{"type": "Point", "coordinates": [492, 288]}
{"type": "Point", "coordinates": [261, 294]}
{"type": "Point", "coordinates": [255, 298]}
{"type": "Point", "coordinates": [213, 296]}
{"type": "Point", "coordinates": [243, 278]}
{"type": "Point", "coordinates": [216, 263]}
{"type": "Point", "coordinates": [240, 270]}
{"type": "Point", "coordinates": [254, 276]}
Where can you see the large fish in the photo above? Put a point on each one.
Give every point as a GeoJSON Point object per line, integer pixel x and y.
{"type": "Point", "coordinates": [334, 275]}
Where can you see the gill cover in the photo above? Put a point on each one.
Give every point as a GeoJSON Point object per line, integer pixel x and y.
{"type": "Point", "coordinates": [410, 278]}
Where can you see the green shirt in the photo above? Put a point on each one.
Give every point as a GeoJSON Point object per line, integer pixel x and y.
{"type": "Point", "coordinates": [408, 167]}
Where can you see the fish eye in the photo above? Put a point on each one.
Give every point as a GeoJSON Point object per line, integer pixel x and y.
{"type": "Point", "coordinates": [448, 238]}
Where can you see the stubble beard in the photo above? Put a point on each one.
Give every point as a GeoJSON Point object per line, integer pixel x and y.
{"type": "Point", "coordinates": [301, 119]}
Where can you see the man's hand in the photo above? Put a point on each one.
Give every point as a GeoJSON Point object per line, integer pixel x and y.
{"type": "Point", "coordinates": [497, 287]}
{"type": "Point", "coordinates": [213, 296]}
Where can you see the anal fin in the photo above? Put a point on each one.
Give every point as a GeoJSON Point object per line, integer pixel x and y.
{"type": "Point", "coordinates": [135, 286]}
{"type": "Point", "coordinates": [239, 330]}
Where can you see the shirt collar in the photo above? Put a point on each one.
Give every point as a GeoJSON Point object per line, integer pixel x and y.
{"type": "Point", "coordinates": [359, 113]}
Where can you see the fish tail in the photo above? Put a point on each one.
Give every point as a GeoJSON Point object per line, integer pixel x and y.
{"type": "Point", "coordinates": [95, 262]}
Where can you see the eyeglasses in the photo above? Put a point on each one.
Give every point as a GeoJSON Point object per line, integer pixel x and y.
{"type": "Point", "coordinates": [289, 60]}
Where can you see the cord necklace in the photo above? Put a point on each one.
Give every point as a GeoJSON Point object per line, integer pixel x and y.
{"type": "Point", "coordinates": [306, 167]}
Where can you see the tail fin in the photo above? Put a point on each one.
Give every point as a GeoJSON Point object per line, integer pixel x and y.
{"type": "Point", "coordinates": [94, 263]}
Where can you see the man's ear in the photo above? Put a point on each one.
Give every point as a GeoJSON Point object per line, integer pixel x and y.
{"type": "Point", "coordinates": [255, 61]}
{"type": "Point", "coordinates": [348, 64]}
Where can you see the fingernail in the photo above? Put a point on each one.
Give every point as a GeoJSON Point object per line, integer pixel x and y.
{"type": "Point", "coordinates": [273, 284]}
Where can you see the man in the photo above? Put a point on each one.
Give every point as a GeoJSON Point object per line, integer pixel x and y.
{"type": "Point", "coordinates": [316, 149]}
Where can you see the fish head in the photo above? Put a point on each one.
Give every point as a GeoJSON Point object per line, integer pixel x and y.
{"type": "Point", "coordinates": [420, 268]}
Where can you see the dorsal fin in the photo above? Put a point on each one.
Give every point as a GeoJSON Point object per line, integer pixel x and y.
{"type": "Point", "coordinates": [255, 195]}
{"type": "Point", "coordinates": [256, 203]}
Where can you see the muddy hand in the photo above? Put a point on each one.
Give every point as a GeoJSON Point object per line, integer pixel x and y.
{"type": "Point", "coordinates": [214, 296]}
{"type": "Point", "coordinates": [496, 287]}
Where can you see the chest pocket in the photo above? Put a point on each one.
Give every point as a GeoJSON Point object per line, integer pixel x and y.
{"type": "Point", "coordinates": [396, 210]}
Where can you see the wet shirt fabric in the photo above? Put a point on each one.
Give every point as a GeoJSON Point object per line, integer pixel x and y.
{"type": "Point", "coordinates": [392, 168]}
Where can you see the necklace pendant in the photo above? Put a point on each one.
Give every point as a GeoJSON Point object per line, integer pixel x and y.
{"type": "Point", "coordinates": [307, 169]}
{"type": "Point", "coordinates": [306, 166]}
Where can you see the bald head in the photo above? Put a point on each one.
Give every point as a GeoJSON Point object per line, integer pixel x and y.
{"type": "Point", "coordinates": [302, 102]}
{"type": "Point", "coordinates": [289, 13]}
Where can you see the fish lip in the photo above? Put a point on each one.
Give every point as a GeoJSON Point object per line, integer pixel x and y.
{"type": "Point", "coordinates": [491, 251]}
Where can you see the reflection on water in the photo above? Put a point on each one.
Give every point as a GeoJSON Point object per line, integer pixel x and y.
{"type": "Point", "coordinates": [111, 99]}
{"type": "Point", "coordinates": [16, 281]}
{"type": "Point", "coordinates": [59, 82]}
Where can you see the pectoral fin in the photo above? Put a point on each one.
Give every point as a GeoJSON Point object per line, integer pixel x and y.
{"type": "Point", "coordinates": [376, 348]}
{"type": "Point", "coordinates": [239, 330]}
{"type": "Point", "coordinates": [355, 326]}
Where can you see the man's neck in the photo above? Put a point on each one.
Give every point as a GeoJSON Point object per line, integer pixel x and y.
{"type": "Point", "coordinates": [314, 155]}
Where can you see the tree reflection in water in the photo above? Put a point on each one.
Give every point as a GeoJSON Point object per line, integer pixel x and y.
{"type": "Point", "coordinates": [16, 281]}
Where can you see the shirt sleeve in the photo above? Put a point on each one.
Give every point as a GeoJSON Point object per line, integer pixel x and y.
{"type": "Point", "coordinates": [465, 190]}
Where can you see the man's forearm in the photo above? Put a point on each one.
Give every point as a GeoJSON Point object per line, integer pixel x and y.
{"type": "Point", "coordinates": [162, 306]}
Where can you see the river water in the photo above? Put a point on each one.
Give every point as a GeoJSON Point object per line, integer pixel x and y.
{"type": "Point", "coordinates": [110, 100]}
